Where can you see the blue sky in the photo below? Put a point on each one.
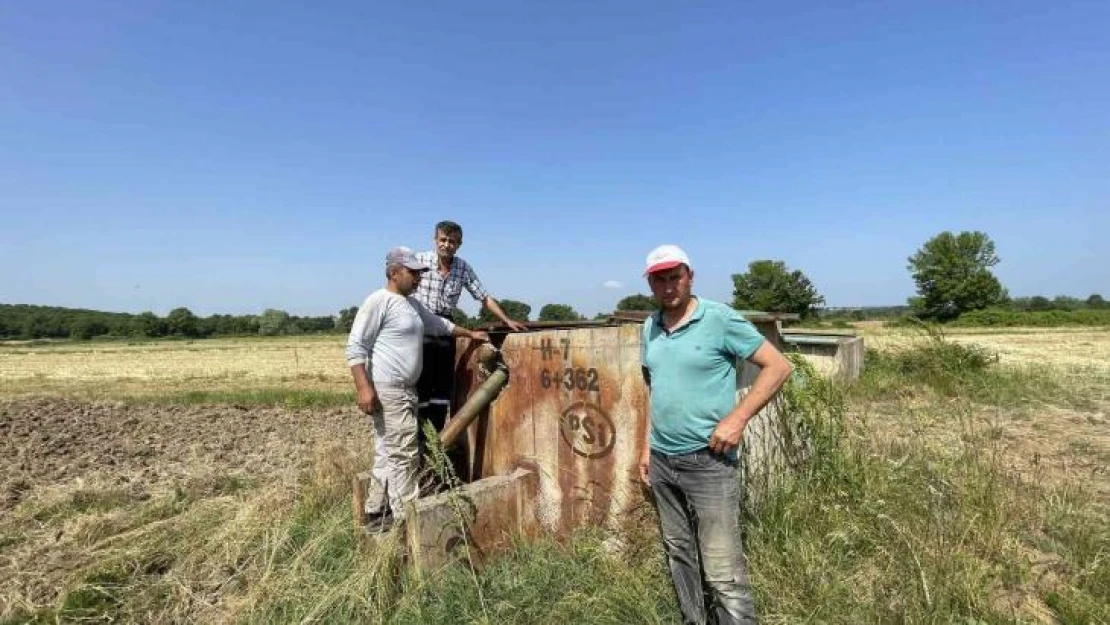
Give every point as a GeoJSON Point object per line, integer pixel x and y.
{"type": "Point", "coordinates": [232, 157]}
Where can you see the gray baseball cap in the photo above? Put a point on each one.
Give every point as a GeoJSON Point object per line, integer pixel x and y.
{"type": "Point", "coordinates": [402, 255]}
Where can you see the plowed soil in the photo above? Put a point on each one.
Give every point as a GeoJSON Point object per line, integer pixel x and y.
{"type": "Point", "coordinates": [56, 442]}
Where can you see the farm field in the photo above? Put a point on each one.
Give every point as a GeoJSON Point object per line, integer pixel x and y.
{"type": "Point", "coordinates": [155, 369]}
{"type": "Point", "coordinates": [163, 368]}
{"type": "Point", "coordinates": [208, 480]}
{"type": "Point", "coordinates": [1078, 349]}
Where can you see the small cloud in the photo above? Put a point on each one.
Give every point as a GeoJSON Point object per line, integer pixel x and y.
{"type": "Point", "coordinates": [612, 284]}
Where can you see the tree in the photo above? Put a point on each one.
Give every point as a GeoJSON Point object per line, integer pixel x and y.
{"type": "Point", "coordinates": [1096, 301]}
{"type": "Point", "coordinates": [637, 302]}
{"type": "Point", "coordinates": [558, 312]}
{"type": "Point", "coordinates": [42, 324]}
{"type": "Point", "coordinates": [460, 318]}
{"type": "Point", "coordinates": [272, 322]}
{"type": "Point", "coordinates": [86, 327]}
{"type": "Point", "coordinates": [1065, 302]}
{"type": "Point", "coordinates": [149, 325]}
{"type": "Point", "coordinates": [309, 325]}
{"type": "Point", "coordinates": [182, 322]}
{"type": "Point", "coordinates": [953, 276]}
{"type": "Point", "coordinates": [517, 311]}
{"type": "Point", "coordinates": [345, 319]}
{"type": "Point", "coordinates": [770, 286]}
{"type": "Point", "coordinates": [1039, 302]}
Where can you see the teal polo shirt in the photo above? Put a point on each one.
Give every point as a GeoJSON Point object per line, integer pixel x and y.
{"type": "Point", "coordinates": [693, 374]}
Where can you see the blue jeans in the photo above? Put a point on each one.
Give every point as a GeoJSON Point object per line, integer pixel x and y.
{"type": "Point", "coordinates": [697, 496]}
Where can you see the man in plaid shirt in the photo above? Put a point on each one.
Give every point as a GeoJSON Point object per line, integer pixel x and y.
{"type": "Point", "coordinates": [439, 292]}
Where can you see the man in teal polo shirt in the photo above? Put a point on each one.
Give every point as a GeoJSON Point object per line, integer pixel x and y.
{"type": "Point", "coordinates": [690, 352]}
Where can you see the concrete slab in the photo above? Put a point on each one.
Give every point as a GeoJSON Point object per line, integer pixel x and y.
{"type": "Point", "coordinates": [476, 520]}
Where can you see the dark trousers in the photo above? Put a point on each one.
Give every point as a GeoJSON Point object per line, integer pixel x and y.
{"type": "Point", "coordinates": [435, 392]}
{"type": "Point", "coordinates": [698, 499]}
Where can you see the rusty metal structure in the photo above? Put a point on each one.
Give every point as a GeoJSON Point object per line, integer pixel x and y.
{"type": "Point", "coordinates": [554, 422]}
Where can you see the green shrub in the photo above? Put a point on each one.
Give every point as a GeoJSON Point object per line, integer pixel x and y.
{"type": "Point", "coordinates": [1001, 317]}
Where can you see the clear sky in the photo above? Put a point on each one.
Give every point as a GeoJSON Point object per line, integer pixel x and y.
{"type": "Point", "coordinates": [237, 156]}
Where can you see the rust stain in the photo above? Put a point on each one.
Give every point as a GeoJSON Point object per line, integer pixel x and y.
{"type": "Point", "coordinates": [557, 414]}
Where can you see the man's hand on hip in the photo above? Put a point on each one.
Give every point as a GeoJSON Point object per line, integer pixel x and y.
{"type": "Point", "coordinates": [726, 436]}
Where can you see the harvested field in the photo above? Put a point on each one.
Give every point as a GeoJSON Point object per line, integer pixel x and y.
{"type": "Point", "coordinates": [1083, 349]}
{"type": "Point", "coordinates": [1062, 439]}
{"type": "Point", "coordinates": [167, 368]}
{"type": "Point", "coordinates": [170, 481]}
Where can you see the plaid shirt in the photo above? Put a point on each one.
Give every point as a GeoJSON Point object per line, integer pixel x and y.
{"type": "Point", "coordinates": [441, 295]}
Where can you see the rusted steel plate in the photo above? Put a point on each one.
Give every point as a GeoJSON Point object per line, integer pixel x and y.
{"type": "Point", "coordinates": [574, 409]}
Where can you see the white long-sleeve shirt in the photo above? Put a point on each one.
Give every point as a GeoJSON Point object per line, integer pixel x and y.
{"type": "Point", "coordinates": [388, 337]}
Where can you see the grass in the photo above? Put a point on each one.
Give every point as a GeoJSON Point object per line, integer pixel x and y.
{"type": "Point", "coordinates": [289, 553]}
{"type": "Point", "coordinates": [932, 364]}
{"type": "Point", "coordinates": [910, 509]}
{"type": "Point", "coordinates": [548, 582]}
{"type": "Point", "coordinates": [882, 529]}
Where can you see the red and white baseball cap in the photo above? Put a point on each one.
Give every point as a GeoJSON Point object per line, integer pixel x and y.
{"type": "Point", "coordinates": [666, 257]}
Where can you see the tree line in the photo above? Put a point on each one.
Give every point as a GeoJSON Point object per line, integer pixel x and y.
{"type": "Point", "coordinates": [952, 273]}
{"type": "Point", "coordinates": [19, 321]}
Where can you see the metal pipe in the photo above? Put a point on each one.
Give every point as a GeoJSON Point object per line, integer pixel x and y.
{"type": "Point", "coordinates": [479, 399]}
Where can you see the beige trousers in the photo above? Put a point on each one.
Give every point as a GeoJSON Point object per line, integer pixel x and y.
{"type": "Point", "coordinates": [396, 453]}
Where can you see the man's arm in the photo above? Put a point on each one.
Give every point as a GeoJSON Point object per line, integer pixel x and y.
{"type": "Point", "coordinates": [474, 335]}
{"type": "Point", "coordinates": [495, 308]}
{"type": "Point", "coordinates": [645, 455]}
{"type": "Point", "coordinates": [360, 348]}
{"type": "Point", "coordinates": [479, 293]}
{"type": "Point", "coordinates": [774, 370]}
{"type": "Point", "coordinates": [364, 388]}
{"type": "Point", "coordinates": [436, 325]}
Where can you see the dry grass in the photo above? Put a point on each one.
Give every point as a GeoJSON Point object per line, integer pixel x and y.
{"type": "Point", "coordinates": [122, 370]}
{"type": "Point", "coordinates": [1085, 349]}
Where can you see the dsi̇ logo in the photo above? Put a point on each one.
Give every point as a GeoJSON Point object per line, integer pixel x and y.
{"type": "Point", "coordinates": [588, 431]}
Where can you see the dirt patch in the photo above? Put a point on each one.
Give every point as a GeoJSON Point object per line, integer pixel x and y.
{"type": "Point", "coordinates": [54, 442]}
{"type": "Point", "coordinates": [1046, 445]}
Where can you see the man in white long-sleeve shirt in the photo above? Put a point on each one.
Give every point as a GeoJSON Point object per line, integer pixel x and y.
{"type": "Point", "coordinates": [385, 354]}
